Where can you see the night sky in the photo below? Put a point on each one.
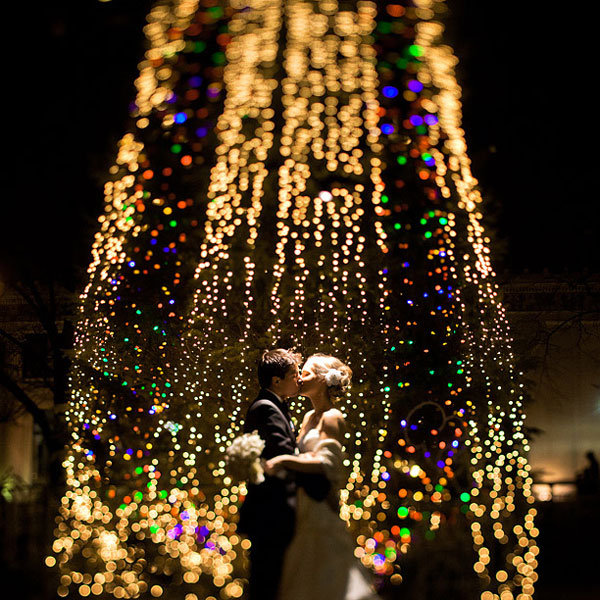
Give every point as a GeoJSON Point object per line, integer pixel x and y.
{"type": "Point", "coordinates": [531, 127]}
{"type": "Point", "coordinates": [526, 120]}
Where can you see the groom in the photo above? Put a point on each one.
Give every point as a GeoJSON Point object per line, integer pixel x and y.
{"type": "Point", "coordinates": [267, 515]}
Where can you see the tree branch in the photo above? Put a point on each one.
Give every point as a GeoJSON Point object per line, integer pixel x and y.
{"type": "Point", "coordinates": [39, 416]}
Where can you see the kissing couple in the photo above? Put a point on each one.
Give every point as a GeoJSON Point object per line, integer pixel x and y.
{"type": "Point", "coordinates": [300, 548]}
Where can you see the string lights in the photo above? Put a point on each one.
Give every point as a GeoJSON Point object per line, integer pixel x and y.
{"type": "Point", "coordinates": [297, 176]}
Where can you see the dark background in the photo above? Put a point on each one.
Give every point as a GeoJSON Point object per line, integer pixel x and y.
{"type": "Point", "coordinates": [530, 123]}
{"type": "Point", "coordinates": [528, 117]}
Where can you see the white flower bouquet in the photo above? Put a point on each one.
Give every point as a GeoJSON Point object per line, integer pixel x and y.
{"type": "Point", "coordinates": [243, 458]}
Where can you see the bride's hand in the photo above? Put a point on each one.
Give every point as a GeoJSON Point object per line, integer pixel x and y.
{"type": "Point", "coordinates": [273, 465]}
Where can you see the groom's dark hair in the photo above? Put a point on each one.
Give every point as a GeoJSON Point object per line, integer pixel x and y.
{"type": "Point", "coordinates": [275, 363]}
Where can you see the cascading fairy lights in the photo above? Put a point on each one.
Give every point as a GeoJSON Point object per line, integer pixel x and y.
{"type": "Point", "coordinates": [310, 186]}
{"type": "Point", "coordinates": [164, 31]}
{"type": "Point", "coordinates": [125, 522]}
{"type": "Point", "coordinates": [316, 267]}
{"type": "Point", "coordinates": [496, 424]}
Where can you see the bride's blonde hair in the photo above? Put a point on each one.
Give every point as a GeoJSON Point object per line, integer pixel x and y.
{"type": "Point", "coordinates": [323, 364]}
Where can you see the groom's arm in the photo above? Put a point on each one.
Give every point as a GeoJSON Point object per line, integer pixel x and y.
{"type": "Point", "coordinates": [271, 427]}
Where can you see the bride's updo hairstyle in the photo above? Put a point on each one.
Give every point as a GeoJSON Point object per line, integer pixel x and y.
{"type": "Point", "coordinates": [336, 374]}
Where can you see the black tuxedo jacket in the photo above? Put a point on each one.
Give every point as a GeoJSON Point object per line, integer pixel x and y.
{"type": "Point", "coordinates": [269, 507]}
{"type": "Point", "coordinates": [271, 418]}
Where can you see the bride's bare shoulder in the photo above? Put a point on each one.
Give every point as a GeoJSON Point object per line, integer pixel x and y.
{"type": "Point", "coordinates": [333, 415]}
{"type": "Point", "coordinates": [333, 424]}
{"type": "Point", "coordinates": [308, 415]}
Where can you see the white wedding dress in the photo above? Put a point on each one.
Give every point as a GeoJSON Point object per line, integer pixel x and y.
{"type": "Point", "coordinates": [319, 562]}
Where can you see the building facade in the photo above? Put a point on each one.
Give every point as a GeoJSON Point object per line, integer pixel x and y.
{"type": "Point", "coordinates": [555, 323]}
{"type": "Point", "coordinates": [26, 360]}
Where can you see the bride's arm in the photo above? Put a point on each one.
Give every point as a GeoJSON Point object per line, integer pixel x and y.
{"type": "Point", "coordinates": [305, 463]}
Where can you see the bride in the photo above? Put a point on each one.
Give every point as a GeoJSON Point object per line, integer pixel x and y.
{"type": "Point", "coordinates": [319, 562]}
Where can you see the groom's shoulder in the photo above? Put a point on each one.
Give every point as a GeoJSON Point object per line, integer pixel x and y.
{"type": "Point", "coordinates": [264, 398]}
{"type": "Point", "coordinates": [262, 403]}
{"type": "Point", "coordinates": [261, 410]}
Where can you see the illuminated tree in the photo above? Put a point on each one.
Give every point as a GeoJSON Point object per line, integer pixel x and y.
{"type": "Point", "coordinates": [297, 176]}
